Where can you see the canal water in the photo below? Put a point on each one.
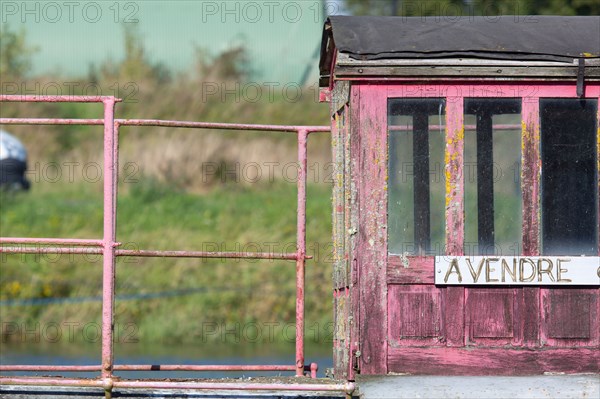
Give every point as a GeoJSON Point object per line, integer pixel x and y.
{"type": "Point", "coordinates": [205, 353]}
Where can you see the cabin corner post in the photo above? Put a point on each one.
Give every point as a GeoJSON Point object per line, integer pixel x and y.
{"type": "Point", "coordinates": [453, 298]}
{"type": "Point", "coordinates": [341, 256]}
{"type": "Point", "coordinates": [372, 234]}
{"type": "Point", "coordinates": [339, 127]}
{"type": "Point", "coordinates": [340, 351]}
{"type": "Point", "coordinates": [352, 201]}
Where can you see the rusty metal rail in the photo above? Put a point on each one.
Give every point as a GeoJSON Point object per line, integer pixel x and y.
{"type": "Point", "coordinates": [108, 384]}
{"type": "Point", "coordinates": [108, 247]}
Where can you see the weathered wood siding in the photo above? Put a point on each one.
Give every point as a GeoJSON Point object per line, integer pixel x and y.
{"type": "Point", "coordinates": [343, 243]}
{"type": "Point", "coordinates": [396, 319]}
{"type": "Point", "coordinates": [372, 232]}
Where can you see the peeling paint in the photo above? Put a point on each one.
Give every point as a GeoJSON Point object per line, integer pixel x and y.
{"type": "Point", "coordinates": [405, 262]}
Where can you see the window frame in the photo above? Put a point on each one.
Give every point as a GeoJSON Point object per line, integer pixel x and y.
{"type": "Point", "coordinates": [455, 94]}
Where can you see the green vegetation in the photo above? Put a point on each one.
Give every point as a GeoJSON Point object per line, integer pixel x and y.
{"type": "Point", "coordinates": [180, 189]}
{"type": "Point", "coordinates": [154, 216]}
{"type": "Point", "coordinates": [15, 54]}
{"type": "Point", "coordinates": [168, 200]}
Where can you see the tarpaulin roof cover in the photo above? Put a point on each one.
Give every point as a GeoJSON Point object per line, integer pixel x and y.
{"type": "Point", "coordinates": [533, 38]}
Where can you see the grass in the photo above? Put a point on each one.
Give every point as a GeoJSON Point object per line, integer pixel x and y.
{"type": "Point", "coordinates": [151, 215]}
{"type": "Point", "coordinates": [168, 203]}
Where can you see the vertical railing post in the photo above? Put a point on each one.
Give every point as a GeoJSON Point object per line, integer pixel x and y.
{"type": "Point", "coordinates": [300, 251]}
{"type": "Point", "coordinates": [108, 254]}
{"type": "Point", "coordinates": [115, 175]}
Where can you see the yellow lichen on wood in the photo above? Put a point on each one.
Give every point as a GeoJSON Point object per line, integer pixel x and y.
{"type": "Point", "coordinates": [450, 162]}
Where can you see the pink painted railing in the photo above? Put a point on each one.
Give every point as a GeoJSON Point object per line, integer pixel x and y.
{"type": "Point", "coordinates": [108, 247]}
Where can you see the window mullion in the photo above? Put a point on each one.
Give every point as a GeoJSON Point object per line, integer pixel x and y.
{"type": "Point", "coordinates": [455, 189]}
{"type": "Point", "coordinates": [485, 183]}
{"type": "Point", "coordinates": [530, 176]}
{"type": "Point", "coordinates": [421, 182]}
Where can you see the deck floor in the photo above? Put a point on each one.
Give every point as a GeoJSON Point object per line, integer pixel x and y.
{"type": "Point", "coordinates": [574, 386]}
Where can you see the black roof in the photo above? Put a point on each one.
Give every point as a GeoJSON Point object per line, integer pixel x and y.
{"type": "Point", "coordinates": [528, 38]}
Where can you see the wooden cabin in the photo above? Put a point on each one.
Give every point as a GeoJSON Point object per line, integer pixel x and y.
{"type": "Point", "coordinates": [466, 194]}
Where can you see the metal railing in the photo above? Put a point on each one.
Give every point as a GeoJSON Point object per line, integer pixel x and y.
{"type": "Point", "coordinates": [108, 247]}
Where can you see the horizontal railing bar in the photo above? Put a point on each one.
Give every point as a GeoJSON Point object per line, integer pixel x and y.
{"type": "Point", "coordinates": [50, 121]}
{"type": "Point", "coordinates": [200, 254]}
{"type": "Point", "coordinates": [467, 127]}
{"type": "Point", "coordinates": [498, 127]}
{"type": "Point", "coordinates": [164, 123]}
{"type": "Point", "coordinates": [19, 367]}
{"type": "Point", "coordinates": [345, 387]}
{"type": "Point", "coordinates": [190, 367]}
{"type": "Point", "coordinates": [153, 367]}
{"type": "Point", "coordinates": [109, 383]}
{"type": "Point", "coordinates": [51, 250]}
{"type": "Point", "coordinates": [55, 98]}
{"type": "Point", "coordinates": [222, 126]}
{"type": "Point", "coordinates": [151, 254]}
{"type": "Point", "coordinates": [52, 241]}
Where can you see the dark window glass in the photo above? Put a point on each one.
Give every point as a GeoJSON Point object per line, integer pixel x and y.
{"type": "Point", "coordinates": [491, 176]}
{"type": "Point", "coordinates": [416, 184]}
{"type": "Point", "coordinates": [569, 176]}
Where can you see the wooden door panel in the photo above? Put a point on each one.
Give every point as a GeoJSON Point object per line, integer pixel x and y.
{"type": "Point", "coordinates": [475, 329]}
{"type": "Point", "coordinates": [414, 315]}
{"type": "Point", "coordinates": [570, 317]}
{"type": "Point", "coordinates": [491, 316]}
{"type": "Point", "coordinates": [496, 331]}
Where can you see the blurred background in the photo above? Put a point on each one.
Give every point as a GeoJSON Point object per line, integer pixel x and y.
{"type": "Point", "coordinates": [179, 189]}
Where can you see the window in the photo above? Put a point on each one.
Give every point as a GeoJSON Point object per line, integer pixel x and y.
{"type": "Point", "coordinates": [416, 137]}
{"type": "Point", "coordinates": [568, 200]}
{"type": "Point", "coordinates": [492, 181]}
{"type": "Point", "coordinates": [569, 176]}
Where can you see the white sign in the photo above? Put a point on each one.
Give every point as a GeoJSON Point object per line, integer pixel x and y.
{"type": "Point", "coordinates": [517, 270]}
